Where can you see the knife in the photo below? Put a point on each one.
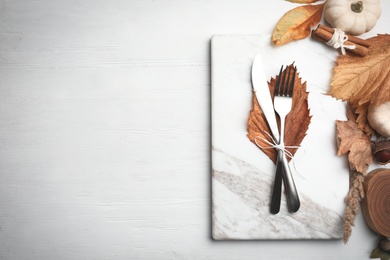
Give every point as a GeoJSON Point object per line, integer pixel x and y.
{"type": "Point", "coordinates": [263, 96]}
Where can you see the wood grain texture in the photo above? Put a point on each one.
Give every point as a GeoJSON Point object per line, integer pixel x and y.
{"type": "Point", "coordinates": [105, 130]}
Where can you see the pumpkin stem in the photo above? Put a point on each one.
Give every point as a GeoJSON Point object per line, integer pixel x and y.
{"type": "Point", "coordinates": [357, 7]}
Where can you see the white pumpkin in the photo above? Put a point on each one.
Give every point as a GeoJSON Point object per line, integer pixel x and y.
{"type": "Point", "coordinates": [378, 117]}
{"type": "Point", "coordinates": [352, 16]}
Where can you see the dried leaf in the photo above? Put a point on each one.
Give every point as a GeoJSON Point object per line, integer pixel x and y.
{"type": "Point", "coordinates": [366, 79]}
{"type": "Point", "coordinates": [378, 252]}
{"type": "Point", "coordinates": [353, 141]}
{"type": "Point", "coordinates": [362, 121]}
{"type": "Point", "coordinates": [297, 121]}
{"type": "Point", "coordinates": [296, 23]}
{"type": "Point", "coordinates": [303, 1]}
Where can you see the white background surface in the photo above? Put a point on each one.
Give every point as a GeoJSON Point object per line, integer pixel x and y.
{"type": "Point", "coordinates": [105, 131]}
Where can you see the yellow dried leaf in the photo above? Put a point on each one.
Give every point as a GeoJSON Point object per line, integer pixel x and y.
{"type": "Point", "coordinates": [362, 80]}
{"type": "Point", "coordinates": [302, 1]}
{"type": "Point", "coordinates": [296, 23]}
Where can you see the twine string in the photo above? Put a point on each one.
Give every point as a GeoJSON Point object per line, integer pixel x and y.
{"type": "Point", "coordinates": [274, 145]}
{"type": "Point", "coordinates": [338, 40]}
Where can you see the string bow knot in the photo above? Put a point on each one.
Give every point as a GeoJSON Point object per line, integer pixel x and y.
{"type": "Point", "coordinates": [338, 40]}
{"type": "Point", "coordinates": [274, 145]}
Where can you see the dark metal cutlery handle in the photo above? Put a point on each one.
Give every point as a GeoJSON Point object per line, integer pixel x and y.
{"type": "Point", "coordinates": [293, 202]}
{"type": "Point", "coordinates": [283, 172]}
{"type": "Point", "coordinates": [277, 189]}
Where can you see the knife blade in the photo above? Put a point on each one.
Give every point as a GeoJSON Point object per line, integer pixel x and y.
{"type": "Point", "coordinates": [263, 96]}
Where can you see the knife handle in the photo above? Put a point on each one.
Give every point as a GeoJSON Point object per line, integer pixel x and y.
{"type": "Point", "coordinates": [277, 189]}
{"type": "Point", "coordinates": [293, 202]}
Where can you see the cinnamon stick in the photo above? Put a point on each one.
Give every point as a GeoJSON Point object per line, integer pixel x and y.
{"type": "Point", "coordinates": [351, 38]}
{"type": "Point", "coordinates": [325, 34]}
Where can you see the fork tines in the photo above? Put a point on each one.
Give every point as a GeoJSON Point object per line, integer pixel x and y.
{"type": "Point", "coordinates": [286, 87]}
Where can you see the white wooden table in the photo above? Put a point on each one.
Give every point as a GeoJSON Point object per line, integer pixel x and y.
{"type": "Point", "coordinates": [105, 130]}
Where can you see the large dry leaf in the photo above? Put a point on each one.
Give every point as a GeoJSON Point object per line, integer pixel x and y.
{"type": "Point", "coordinates": [297, 121]}
{"type": "Point", "coordinates": [366, 79]}
{"type": "Point", "coordinates": [296, 24]}
{"type": "Point", "coordinates": [353, 141]}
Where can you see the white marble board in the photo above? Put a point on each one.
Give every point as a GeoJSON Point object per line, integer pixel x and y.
{"type": "Point", "coordinates": [242, 176]}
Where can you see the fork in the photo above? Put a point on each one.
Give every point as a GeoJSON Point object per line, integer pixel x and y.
{"type": "Point", "coordinates": [282, 104]}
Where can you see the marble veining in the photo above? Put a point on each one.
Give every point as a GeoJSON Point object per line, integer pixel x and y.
{"type": "Point", "coordinates": [252, 220]}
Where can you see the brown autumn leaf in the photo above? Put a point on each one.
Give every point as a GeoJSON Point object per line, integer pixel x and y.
{"type": "Point", "coordinates": [297, 121]}
{"type": "Point", "coordinates": [362, 121]}
{"type": "Point", "coordinates": [361, 80]}
{"type": "Point", "coordinates": [296, 24]}
{"type": "Point", "coordinates": [353, 141]}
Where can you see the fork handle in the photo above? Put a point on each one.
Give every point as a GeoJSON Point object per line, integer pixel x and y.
{"type": "Point", "coordinates": [283, 172]}
{"type": "Point", "coordinates": [293, 202]}
{"type": "Point", "coordinates": [277, 189]}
